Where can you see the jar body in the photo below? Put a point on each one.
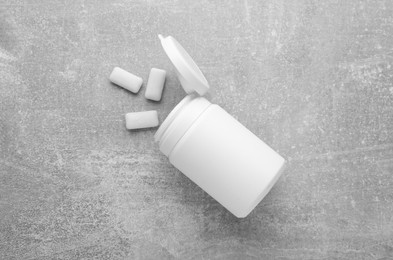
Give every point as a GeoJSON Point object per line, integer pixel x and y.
{"type": "Point", "coordinates": [227, 160]}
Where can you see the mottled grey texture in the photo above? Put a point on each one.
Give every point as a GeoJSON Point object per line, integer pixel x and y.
{"type": "Point", "coordinates": [314, 79]}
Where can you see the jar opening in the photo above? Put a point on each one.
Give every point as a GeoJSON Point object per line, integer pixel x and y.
{"type": "Point", "coordinates": [172, 115]}
{"type": "Point", "coordinates": [179, 121]}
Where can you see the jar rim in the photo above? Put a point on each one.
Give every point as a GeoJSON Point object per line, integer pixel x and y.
{"type": "Point", "coordinates": [171, 116]}
{"type": "Point", "coordinates": [179, 121]}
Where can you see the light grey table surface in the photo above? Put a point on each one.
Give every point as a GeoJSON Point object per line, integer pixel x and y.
{"type": "Point", "coordinates": [313, 79]}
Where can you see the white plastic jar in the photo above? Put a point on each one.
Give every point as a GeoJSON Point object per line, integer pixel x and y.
{"type": "Point", "coordinates": [211, 147]}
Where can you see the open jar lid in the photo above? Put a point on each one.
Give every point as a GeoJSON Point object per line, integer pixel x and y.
{"type": "Point", "coordinates": [190, 76]}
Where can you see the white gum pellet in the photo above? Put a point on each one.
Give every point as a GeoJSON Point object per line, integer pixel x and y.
{"type": "Point", "coordinates": [144, 119]}
{"type": "Point", "coordinates": [126, 80]}
{"type": "Point", "coordinates": [155, 84]}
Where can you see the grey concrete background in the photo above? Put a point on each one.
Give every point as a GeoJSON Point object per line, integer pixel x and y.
{"type": "Point", "coordinates": [314, 79]}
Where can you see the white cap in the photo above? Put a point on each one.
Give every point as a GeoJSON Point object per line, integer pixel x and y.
{"type": "Point", "coordinates": [190, 76]}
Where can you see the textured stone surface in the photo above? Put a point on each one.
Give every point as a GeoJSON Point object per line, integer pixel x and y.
{"type": "Point", "coordinates": [314, 79]}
